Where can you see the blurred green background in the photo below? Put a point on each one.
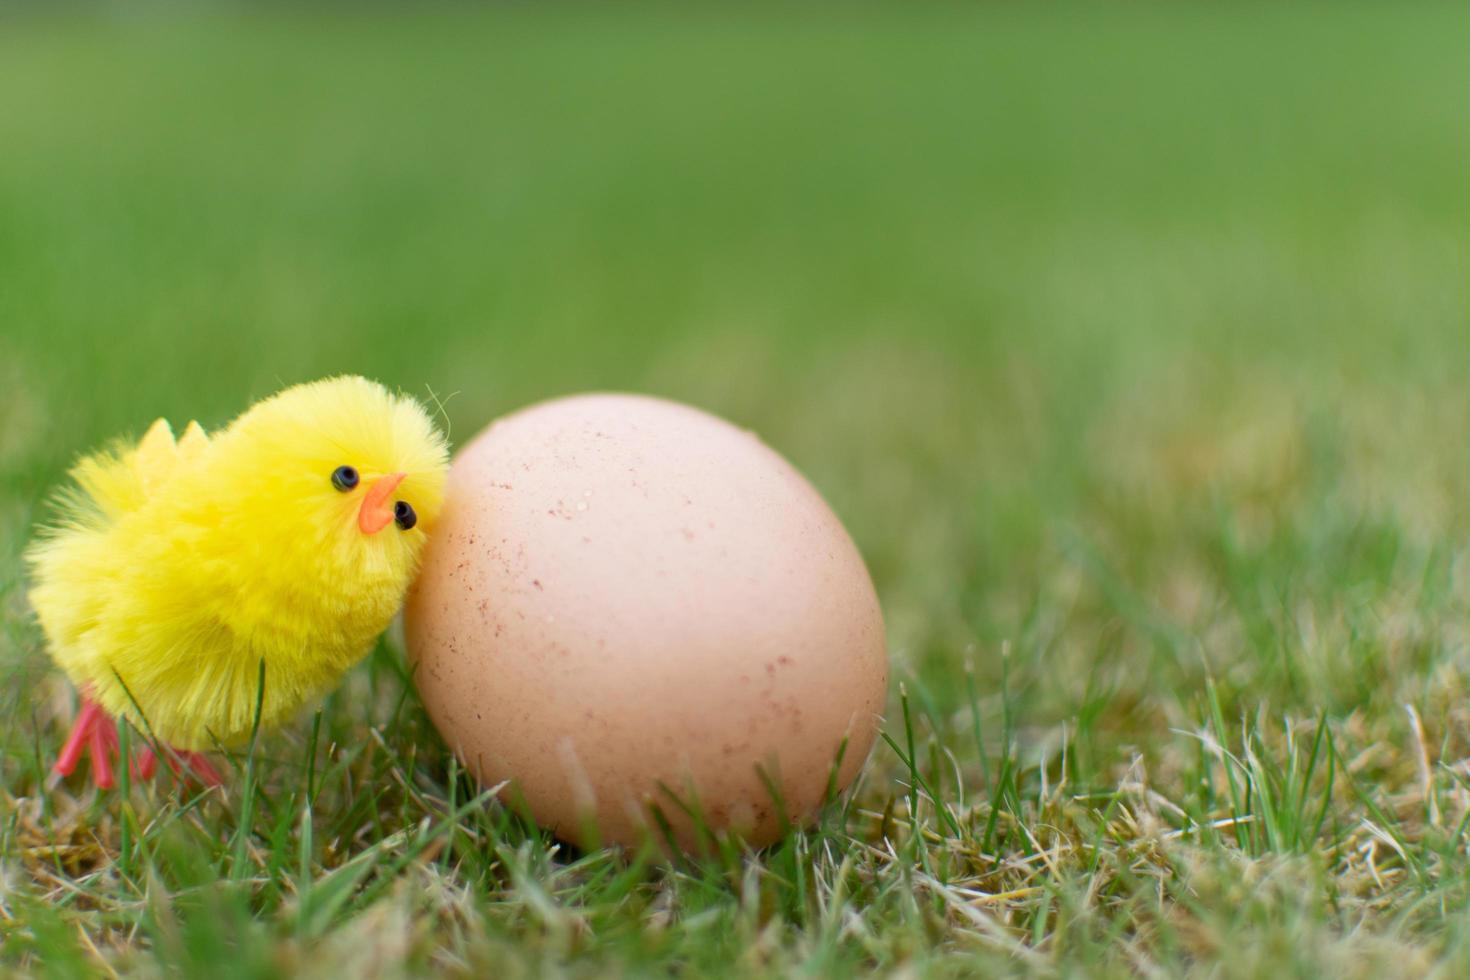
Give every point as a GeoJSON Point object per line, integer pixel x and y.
{"type": "Point", "coordinates": [1065, 309]}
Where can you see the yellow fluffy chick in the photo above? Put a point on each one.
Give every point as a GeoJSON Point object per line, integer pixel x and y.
{"type": "Point", "coordinates": [179, 567]}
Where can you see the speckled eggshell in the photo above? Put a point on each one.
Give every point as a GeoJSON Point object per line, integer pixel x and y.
{"type": "Point", "coordinates": [626, 597]}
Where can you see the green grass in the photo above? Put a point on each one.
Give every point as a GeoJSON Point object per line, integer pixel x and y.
{"type": "Point", "coordinates": [1131, 345]}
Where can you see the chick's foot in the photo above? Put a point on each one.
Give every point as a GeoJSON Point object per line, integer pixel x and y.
{"type": "Point", "coordinates": [96, 734]}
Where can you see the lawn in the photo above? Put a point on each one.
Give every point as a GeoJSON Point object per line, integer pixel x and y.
{"type": "Point", "coordinates": [1132, 346]}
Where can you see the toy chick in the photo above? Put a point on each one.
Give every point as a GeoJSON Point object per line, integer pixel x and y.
{"type": "Point", "coordinates": [182, 574]}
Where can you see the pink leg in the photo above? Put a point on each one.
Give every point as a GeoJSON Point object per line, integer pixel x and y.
{"type": "Point", "coordinates": [81, 734]}
{"type": "Point", "coordinates": [193, 764]}
{"type": "Point", "coordinates": [102, 754]}
{"type": "Point", "coordinates": [200, 766]}
{"type": "Point", "coordinates": [95, 734]}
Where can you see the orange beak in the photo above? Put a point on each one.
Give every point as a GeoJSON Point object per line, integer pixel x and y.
{"type": "Point", "coordinates": [375, 514]}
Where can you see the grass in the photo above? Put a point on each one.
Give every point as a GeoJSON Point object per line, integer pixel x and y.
{"type": "Point", "coordinates": [1131, 345]}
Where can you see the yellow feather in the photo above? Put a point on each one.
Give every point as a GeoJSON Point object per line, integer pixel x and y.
{"type": "Point", "coordinates": [157, 453]}
{"type": "Point", "coordinates": [192, 442]}
{"type": "Point", "coordinates": [178, 568]}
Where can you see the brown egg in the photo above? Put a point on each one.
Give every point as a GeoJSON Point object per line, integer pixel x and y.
{"type": "Point", "coordinates": [627, 600]}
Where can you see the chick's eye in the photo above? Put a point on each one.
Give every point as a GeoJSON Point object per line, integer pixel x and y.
{"type": "Point", "coordinates": [344, 478]}
{"type": "Point", "coordinates": [403, 515]}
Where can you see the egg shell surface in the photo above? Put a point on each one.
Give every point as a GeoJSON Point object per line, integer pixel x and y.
{"type": "Point", "coordinates": [627, 600]}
